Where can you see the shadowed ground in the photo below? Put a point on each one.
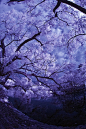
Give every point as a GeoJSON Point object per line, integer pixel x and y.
{"type": "Point", "coordinates": [11, 118]}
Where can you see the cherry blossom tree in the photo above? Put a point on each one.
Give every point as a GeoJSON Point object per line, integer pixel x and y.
{"type": "Point", "coordinates": [39, 46]}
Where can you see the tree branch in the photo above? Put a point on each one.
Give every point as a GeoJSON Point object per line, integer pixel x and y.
{"type": "Point", "coordinates": [3, 47]}
{"type": "Point", "coordinates": [27, 40]}
{"type": "Point", "coordinates": [74, 5]}
{"type": "Point", "coordinates": [23, 73]}
{"type": "Point", "coordinates": [15, 58]}
{"type": "Point", "coordinates": [15, 1]}
{"type": "Point", "coordinates": [69, 3]}
{"type": "Point", "coordinates": [73, 38]}
{"type": "Point", "coordinates": [58, 4]}
{"type": "Point", "coordinates": [39, 41]}
{"type": "Point", "coordinates": [46, 78]}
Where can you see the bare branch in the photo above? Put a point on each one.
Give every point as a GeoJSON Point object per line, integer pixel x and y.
{"type": "Point", "coordinates": [15, 1]}
{"type": "Point", "coordinates": [56, 15]}
{"type": "Point", "coordinates": [73, 38]}
{"type": "Point", "coordinates": [69, 3]}
{"type": "Point", "coordinates": [3, 47]}
{"type": "Point", "coordinates": [39, 41]}
{"type": "Point", "coordinates": [23, 73]}
{"type": "Point", "coordinates": [36, 5]}
{"type": "Point", "coordinates": [27, 40]}
{"type": "Point", "coordinates": [74, 5]}
{"type": "Point", "coordinates": [46, 78]}
{"type": "Point", "coordinates": [58, 4]}
{"type": "Point", "coordinates": [15, 58]}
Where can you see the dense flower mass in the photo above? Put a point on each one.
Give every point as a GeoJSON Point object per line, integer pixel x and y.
{"type": "Point", "coordinates": [42, 44]}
